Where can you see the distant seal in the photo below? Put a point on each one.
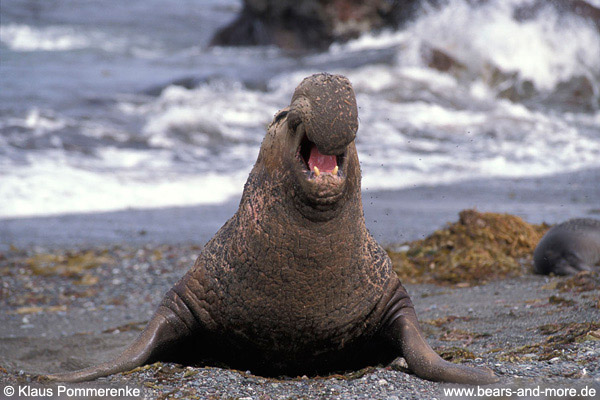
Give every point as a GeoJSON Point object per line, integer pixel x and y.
{"type": "Point", "coordinates": [569, 247]}
{"type": "Point", "coordinates": [293, 283]}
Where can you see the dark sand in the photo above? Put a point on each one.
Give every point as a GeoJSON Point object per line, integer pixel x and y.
{"type": "Point", "coordinates": [392, 216]}
{"type": "Point", "coordinates": [70, 325]}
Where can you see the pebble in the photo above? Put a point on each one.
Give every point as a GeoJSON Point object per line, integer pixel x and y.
{"type": "Point", "coordinates": [139, 292]}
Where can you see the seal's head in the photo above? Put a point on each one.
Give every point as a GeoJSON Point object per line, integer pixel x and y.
{"type": "Point", "coordinates": [309, 148]}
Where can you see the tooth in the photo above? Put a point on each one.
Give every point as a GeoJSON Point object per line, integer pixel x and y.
{"type": "Point", "coordinates": [317, 172]}
{"type": "Point", "coordinates": [335, 170]}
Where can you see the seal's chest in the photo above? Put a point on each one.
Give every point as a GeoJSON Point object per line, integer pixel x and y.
{"type": "Point", "coordinates": [308, 311]}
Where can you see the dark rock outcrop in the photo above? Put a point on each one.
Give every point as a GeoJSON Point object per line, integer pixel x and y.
{"type": "Point", "coordinates": [311, 24]}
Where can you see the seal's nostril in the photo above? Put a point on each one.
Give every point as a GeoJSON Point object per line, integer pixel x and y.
{"type": "Point", "coordinates": [293, 119]}
{"type": "Point", "coordinates": [280, 116]}
{"type": "Point", "coordinates": [293, 124]}
{"type": "Point", "coordinates": [301, 130]}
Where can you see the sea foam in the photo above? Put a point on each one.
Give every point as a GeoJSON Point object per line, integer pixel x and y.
{"type": "Point", "coordinates": [418, 125]}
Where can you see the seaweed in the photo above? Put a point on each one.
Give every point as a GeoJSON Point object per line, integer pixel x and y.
{"type": "Point", "coordinates": [478, 248]}
{"type": "Point", "coordinates": [451, 335]}
{"type": "Point", "coordinates": [560, 337]}
{"type": "Point", "coordinates": [584, 281]}
{"type": "Point", "coordinates": [455, 354]}
{"type": "Point", "coordinates": [438, 322]}
{"type": "Point", "coordinates": [38, 309]}
{"type": "Point", "coordinates": [561, 301]}
{"type": "Point", "coordinates": [68, 264]}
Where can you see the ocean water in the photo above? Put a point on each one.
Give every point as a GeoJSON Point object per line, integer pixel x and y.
{"type": "Point", "coordinates": [121, 104]}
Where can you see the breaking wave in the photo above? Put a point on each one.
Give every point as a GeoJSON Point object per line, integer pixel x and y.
{"type": "Point", "coordinates": [26, 38]}
{"type": "Point", "coordinates": [469, 91]}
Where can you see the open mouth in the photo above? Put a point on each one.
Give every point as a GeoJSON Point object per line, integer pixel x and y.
{"type": "Point", "coordinates": [316, 163]}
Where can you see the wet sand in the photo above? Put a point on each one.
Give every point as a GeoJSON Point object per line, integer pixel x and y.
{"type": "Point", "coordinates": [64, 320]}
{"type": "Point", "coordinates": [391, 216]}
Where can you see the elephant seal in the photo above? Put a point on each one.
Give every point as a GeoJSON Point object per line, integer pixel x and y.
{"type": "Point", "coordinates": [569, 247]}
{"type": "Point", "coordinates": [293, 283]}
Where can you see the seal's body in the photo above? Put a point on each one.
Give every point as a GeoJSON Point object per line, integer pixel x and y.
{"type": "Point", "coordinates": [293, 283]}
{"type": "Point", "coordinates": [569, 247]}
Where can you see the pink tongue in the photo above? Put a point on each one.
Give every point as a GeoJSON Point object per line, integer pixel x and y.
{"type": "Point", "coordinates": [321, 161]}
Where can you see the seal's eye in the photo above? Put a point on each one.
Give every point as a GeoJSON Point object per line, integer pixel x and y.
{"type": "Point", "coordinates": [280, 116]}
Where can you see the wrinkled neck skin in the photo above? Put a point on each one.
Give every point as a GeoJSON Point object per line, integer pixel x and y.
{"type": "Point", "coordinates": [277, 200]}
{"type": "Point", "coordinates": [298, 261]}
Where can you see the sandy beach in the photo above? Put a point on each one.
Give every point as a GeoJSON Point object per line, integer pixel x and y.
{"type": "Point", "coordinates": [532, 330]}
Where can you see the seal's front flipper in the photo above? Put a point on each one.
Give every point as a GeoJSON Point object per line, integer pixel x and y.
{"type": "Point", "coordinates": [571, 265]}
{"type": "Point", "coordinates": [162, 333]}
{"type": "Point", "coordinates": [402, 329]}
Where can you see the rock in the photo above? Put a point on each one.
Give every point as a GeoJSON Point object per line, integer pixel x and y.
{"type": "Point", "coordinates": [579, 8]}
{"type": "Point", "coordinates": [441, 60]}
{"type": "Point", "coordinates": [577, 92]}
{"type": "Point", "coordinates": [311, 24]}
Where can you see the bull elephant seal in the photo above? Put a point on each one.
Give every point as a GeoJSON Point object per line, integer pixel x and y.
{"type": "Point", "coordinates": [569, 247]}
{"type": "Point", "coordinates": [293, 283]}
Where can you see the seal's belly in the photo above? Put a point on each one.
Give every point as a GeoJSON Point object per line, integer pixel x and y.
{"type": "Point", "coordinates": [269, 349]}
{"type": "Point", "coordinates": [292, 325]}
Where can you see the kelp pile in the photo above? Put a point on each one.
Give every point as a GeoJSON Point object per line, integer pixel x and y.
{"type": "Point", "coordinates": [478, 248]}
{"type": "Point", "coordinates": [68, 263]}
